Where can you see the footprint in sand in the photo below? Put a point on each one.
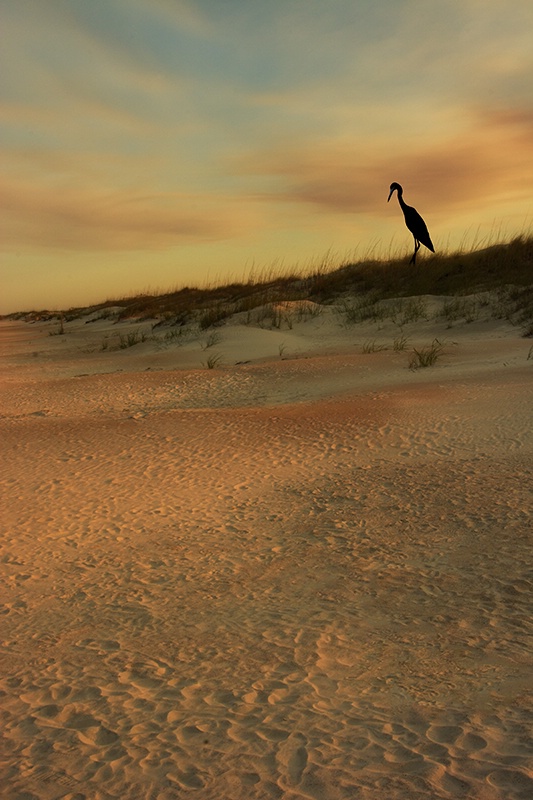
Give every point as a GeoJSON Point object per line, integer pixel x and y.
{"type": "Point", "coordinates": [471, 742]}
{"type": "Point", "coordinates": [514, 782]}
{"type": "Point", "coordinates": [292, 759]}
{"type": "Point", "coordinates": [444, 734]}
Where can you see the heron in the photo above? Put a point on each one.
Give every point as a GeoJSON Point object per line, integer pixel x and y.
{"type": "Point", "coordinates": [414, 222]}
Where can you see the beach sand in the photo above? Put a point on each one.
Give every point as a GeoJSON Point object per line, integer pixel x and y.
{"type": "Point", "coordinates": [307, 575]}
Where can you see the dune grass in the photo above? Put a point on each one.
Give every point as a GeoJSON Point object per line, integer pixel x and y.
{"type": "Point", "coordinates": [212, 361]}
{"type": "Point", "coordinates": [426, 356]}
{"type": "Point", "coordinates": [359, 289]}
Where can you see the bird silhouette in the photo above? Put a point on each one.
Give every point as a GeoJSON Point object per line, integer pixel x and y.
{"type": "Point", "coordinates": [414, 222]}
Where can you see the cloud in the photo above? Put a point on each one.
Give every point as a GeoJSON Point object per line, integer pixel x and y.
{"type": "Point", "coordinates": [490, 160]}
{"type": "Point", "coordinates": [97, 220]}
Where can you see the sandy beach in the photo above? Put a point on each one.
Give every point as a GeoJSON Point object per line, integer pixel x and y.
{"type": "Point", "coordinates": [303, 573]}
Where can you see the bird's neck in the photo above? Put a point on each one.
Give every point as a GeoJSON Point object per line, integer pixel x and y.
{"type": "Point", "coordinates": [401, 201]}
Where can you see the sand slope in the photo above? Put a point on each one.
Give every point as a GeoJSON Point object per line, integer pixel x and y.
{"type": "Point", "coordinates": [299, 578]}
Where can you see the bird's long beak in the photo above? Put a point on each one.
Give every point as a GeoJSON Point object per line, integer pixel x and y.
{"type": "Point", "coordinates": [390, 195]}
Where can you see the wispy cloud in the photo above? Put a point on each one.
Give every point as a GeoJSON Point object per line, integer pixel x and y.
{"type": "Point", "coordinates": [490, 159]}
{"type": "Point", "coordinates": [84, 219]}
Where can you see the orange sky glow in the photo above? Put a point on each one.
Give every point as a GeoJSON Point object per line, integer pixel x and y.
{"type": "Point", "coordinates": [154, 144]}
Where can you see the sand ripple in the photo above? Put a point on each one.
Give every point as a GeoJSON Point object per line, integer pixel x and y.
{"type": "Point", "coordinates": [329, 599]}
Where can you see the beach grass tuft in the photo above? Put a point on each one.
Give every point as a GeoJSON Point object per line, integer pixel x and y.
{"type": "Point", "coordinates": [426, 356]}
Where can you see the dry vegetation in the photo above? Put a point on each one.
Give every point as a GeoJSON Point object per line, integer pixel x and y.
{"type": "Point", "coordinates": [505, 269]}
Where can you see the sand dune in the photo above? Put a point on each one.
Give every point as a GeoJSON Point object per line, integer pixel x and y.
{"type": "Point", "coordinates": [297, 577]}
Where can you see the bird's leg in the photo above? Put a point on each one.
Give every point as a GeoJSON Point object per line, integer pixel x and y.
{"type": "Point", "coordinates": [417, 248]}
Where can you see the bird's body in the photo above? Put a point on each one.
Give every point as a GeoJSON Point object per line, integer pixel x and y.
{"type": "Point", "coordinates": [414, 222]}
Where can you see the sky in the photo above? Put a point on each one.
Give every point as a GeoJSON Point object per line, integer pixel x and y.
{"type": "Point", "coordinates": [147, 145]}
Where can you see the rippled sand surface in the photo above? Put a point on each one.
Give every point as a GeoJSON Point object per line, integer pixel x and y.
{"type": "Point", "coordinates": [297, 578]}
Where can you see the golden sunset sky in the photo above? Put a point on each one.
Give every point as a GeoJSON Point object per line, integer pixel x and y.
{"type": "Point", "coordinates": [151, 144]}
